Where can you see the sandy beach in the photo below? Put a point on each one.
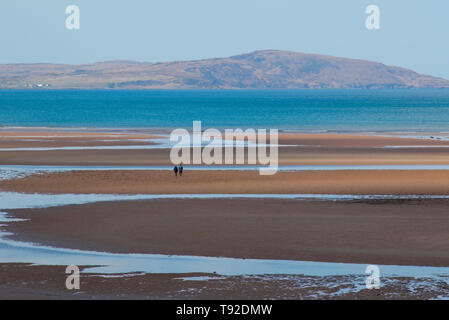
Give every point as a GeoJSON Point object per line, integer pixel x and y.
{"type": "Point", "coordinates": [212, 150]}
{"type": "Point", "coordinates": [404, 232]}
{"type": "Point", "coordinates": [51, 139]}
{"type": "Point", "coordinates": [403, 182]}
{"type": "Point", "coordinates": [388, 232]}
{"type": "Point", "coordinates": [301, 149]}
{"type": "Point", "coordinates": [287, 156]}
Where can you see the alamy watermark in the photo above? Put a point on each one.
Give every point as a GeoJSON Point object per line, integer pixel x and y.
{"type": "Point", "coordinates": [72, 22]}
{"type": "Point", "coordinates": [372, 22]}
{"type": "Point", "coordinates": [373, 279]}
{"type": "Point", "coordinates": [212, 146]}
{"type": "Point", "coordinates": [72, 281]}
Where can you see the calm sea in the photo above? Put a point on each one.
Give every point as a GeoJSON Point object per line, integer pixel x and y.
{"type": "Point", "coordinates": [303, 110]}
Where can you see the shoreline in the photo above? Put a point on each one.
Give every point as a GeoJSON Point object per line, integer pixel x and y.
{"type": "Point", "coordinates": [30, 282]}
{"type": "Point", "coordinates": [164, 130]}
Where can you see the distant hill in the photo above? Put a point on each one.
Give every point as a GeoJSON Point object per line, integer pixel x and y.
{"type": "Point", "coordinates": [268, 69]}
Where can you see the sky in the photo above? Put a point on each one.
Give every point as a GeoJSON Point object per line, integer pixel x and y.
{"type": "Point", "coordinates": [413, 33]}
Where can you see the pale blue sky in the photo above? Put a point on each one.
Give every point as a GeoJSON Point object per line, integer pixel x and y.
{"type": "Point", "coordinates": [414, 33]}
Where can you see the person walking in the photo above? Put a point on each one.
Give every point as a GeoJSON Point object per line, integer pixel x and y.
{"type": "Point", "coordinates": [181, 169]}
{"type": "Point", "coordinates": [175, 170]}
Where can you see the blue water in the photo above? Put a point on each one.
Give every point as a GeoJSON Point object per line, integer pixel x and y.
{"type": "Point", "coordinates": [307, 110]}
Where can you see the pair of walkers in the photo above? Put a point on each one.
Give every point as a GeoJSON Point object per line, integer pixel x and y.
{"type": "Point", "coordinates": [178, 169]}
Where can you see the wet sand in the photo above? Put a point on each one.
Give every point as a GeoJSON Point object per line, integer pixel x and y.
{"type": "Point", "coordinates": [287, 156]}
{"type": "Point", "coordinates": [45, 139]}
{"type": "Point", "coordinates": [404, 182]}
{"type": "Point", "coordinates": [44, 143]}
{"type": "Point", "coordinates": [357, 140]}
{"type": "Point", "coordinates": [22, 281]}
{"type": "Point", "coordinates": [401, 232]}
{"type": "Point", "coordinates": [67, 135]}
{"type": "Point", "coordinates": [406, 232]}
{"type": "Point", "coordinates": [310, 139]}
{"type": "Point", "coordinates": [312, 149]}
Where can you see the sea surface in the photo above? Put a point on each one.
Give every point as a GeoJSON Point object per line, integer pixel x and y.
{"type": "Point", "coordinates": [408, 110]}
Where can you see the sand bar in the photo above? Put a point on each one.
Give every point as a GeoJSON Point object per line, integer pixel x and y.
{"type": "Point", "coordinates": [300, 149]}
{"type": "Point", "coordinates": [404, 182]}
{"type": "Point", "coordinates": [403, 232]}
